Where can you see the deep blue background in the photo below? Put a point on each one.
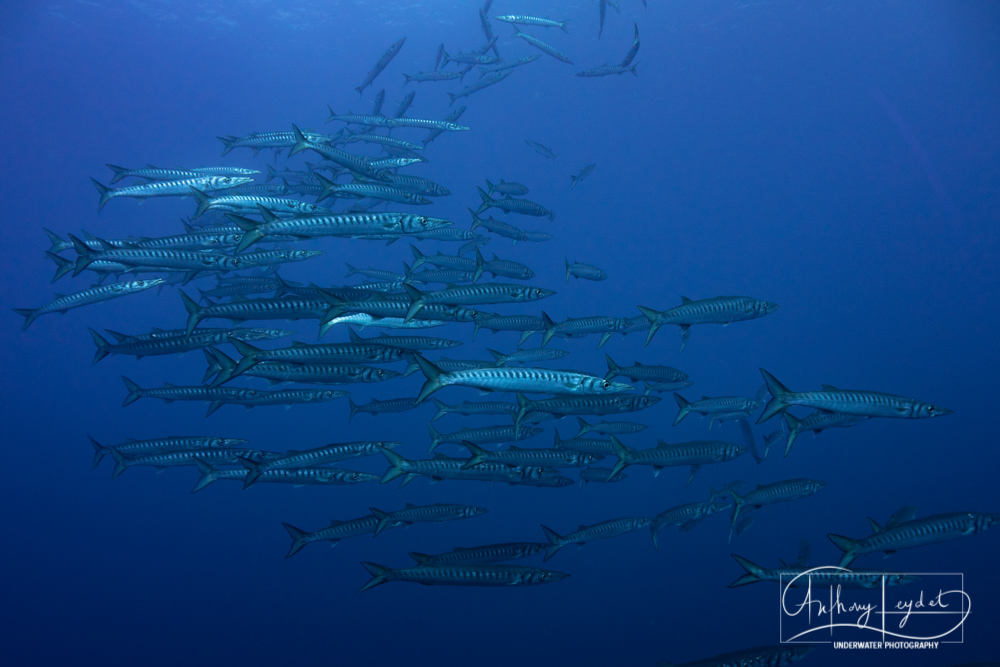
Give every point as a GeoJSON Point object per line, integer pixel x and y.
{"type": "Point", "coordinates": [840, 159]}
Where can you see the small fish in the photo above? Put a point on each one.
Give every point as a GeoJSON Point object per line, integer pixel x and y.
{"type": "Point", "coordinates": [64, 302]}
{"type": "Point", "coordinates": [382, 63]}
{"type": "Point", "coordinates": [540, 149]}
{"type": "Point", "coordinates": [421, 77]}
{"type": "Point", "coordinates": [585, 271]}
{"type": "Point", "coordinates": [547, 49]}
{"type": "Point", "coordinates": [584, 173]}
{"type": "Point", "coordinates": [462, 575]}
{"type": "Point", "coordinates": [520, 19]}
{"type": "Point", "coordinates": [630, 56]}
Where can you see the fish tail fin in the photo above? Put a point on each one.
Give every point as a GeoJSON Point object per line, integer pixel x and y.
{"type": "Point", "coordinates": [478, 455]}
{"type": "Point", "coordinates": [555, 542]}
{"type": "Point", "coordinates": [251, 231]}
{"type": "Point", "coordinates": [419, 557]}
{"type": "Point", "coordinates": [102, 346]}
{"type": "Point", "coordinates": [753, 573]}
{"type": "Point", "coordinates": [487, 201]}
{"type": "Point", "coordinates": [29, 315]}
{"type": "Point", "coordinates": [738, 503]}
{"type": "Point", "coordinates": [633, 69]}
{"type": "Point", "coordinates": [685, 408]}
{"type": "Point", "coordinates": [497, 357]}
{"type": "Point", "coordinates": [299, 540]}
{"type": "Point", "coordinates": [119, 172]}
{"type": "Point", "coordinates": [563, 26]}
{"type": "Point", "coordinates": [523, 405]}
{"type": "Point", "coordinates": [119, 462]}
{"type": "Point", "coordinates": [208, 475]}
{"type": "Point", "coordinates": [133, 392]}
{"type": "Point", "coordinates": [433, 375]}
{"type": "Point", "coordinates": [379, 573]}
{"type": "Point", "coordinates": [194, 312]}
{"type": "Point", "coordinates": [480, 265]}
{"type": "Point", "coordinates": [453, 97]}
{"type": "Point", "coordinates": [847, 545]}
{"type": "Point", "coordinates": [623, 454]}
{"type": "Point", "coordinates": [203, 200]}
{"type": "Point", "coordinates": [442, 410]}
{"type": "Point", "coordinates": [397, 465]}
{"type": "Point", "coordinates": [63, 265]}
{"type": "Point", "coordinates": [254, 471]}
{"type": "Point", "coordinates": [794, 428]}
{"type": "Point", "coordinates": [249, 353]}
{"type": "Point", "coordinates": [779, 393]}
{"type": "Point", "coordinates": [492, 188]}
{"type": "Point", "coordinates": [105, 193]}
{"type": "Point", "coordinates": [613, 368]}
{"type": "Point", "coordinates": [418, 257]}
{"type": "Point", "coordinates": [100, 451]}
{"type": "Point", "coordinates": [227, 144]}
{"type": "Point", "coordinates": [584, 426]}
{"type": "Point", "coordinates": [550, 328]}
{"type": "Point", "coordinates": [435, 438]}
{"type": "Point", "coordinates": [654, 323]}
{"type": "Point", "coordinates": [57, 243]}
{"type": "Point", "coordinates": [354, 409]}
{"type": "Point", "coordinates": [301, 143]}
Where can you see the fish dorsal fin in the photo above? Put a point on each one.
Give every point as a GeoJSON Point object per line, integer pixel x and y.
{"type": "Point", "coordinates": [410, 506]}
{"type": "Point", "coordinates": [581, 527]}
{"type": "Point", "coordinates": [829, 387]}
{"type": "Point", "coordinates": [704, 398]}
{"type": "Point", "coordinates": [874, 525]}
{"type": "Point", "coordinates": [335, 522]}
{"type": "Point", "coordinates": [661, 444]}
{"type": "Point", "coordinates": [515, 448]}
{"type": "Point", "coordinates": [299, 343]}
{"type": "Point", "coordinates": [294, 451]}
{"type": "Point", "coordinates": [685, 300]}
{"type": "Point", "coordinates": [439, 455]}
{"type": "Point", "coordinates": [902, 515]}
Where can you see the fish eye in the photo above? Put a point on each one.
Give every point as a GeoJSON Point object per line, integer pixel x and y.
{"type": "Point", "coordinates": [606, 384]}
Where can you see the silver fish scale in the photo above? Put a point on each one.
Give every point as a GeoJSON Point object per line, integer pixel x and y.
{"type": "Point", "coordinates": [190, 241]}
{"type": "Point", "coordinates": [819, 421]}
{"type": "Point", "coordinates": [470, 293]}
{"type": "Point", "coordinates": [724, 404]}
{"type": "Point", "coordinates": [172, 345]}
{"type": "Point", "coordinates": [181, 187]}
{"type": "Point", "coordinates": [595, 324]}
{"type": "Point", "coordinates": [289, 396]}
{"type": "Point", "coordinates": [432, 311]}
{"type": "Point", "coordinates": [274, 308]}
{"type": "Point", "coordinates": [174, 393]}
{"type": "Point", "coordinates": [345, 529]}
{"type": "Point", "coordinates": [487, 435]}
{"type": "Point", "coordinates": [481, 408]}
{"type": "Point", "coordinates": [512, 323]}
{"type": "Point", "coordinates": [163, 445]}
{"type": "Point", "coordinates": [715, 310]}
{"type": "Point", "coordinates": [390, 405]}
{"type": "Point", "coordinates": [492, 376]}
{"type": "Point", "coordinates": [430, 513]}
{"type": "Point", "coordinates": [492, 553]}
{"type": "Point", "coordinates": [493, 574]}
{"type": "Point", "coordinates": [796, 577]}
{"type": "Point", "coordinates": [277, 140]}
{"type": "Point", "coordinates": [546, 458]}
{"type": "Point", "coordinates": [207, 454]}
{"type": "Point", "coordinates": [372, 353]}
{"type": "Point", "coordinates": [272, 203]}
{"type": "Point", "coordinates": [583, 404]}
{"type": "Point", "coordinates": [443, 125]}
{"type": "Point", "coordinates": [397, 222]}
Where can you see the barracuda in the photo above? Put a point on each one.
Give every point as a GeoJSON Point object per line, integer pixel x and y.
{"type": "Point", "coordinates": [370, 191]}
{"type": "Point", "coordinates": [443, 276]}
{"type": "Point", "coordinates": [220, 455]}
{"type": "Point", "coordinates": [294, 476]}
{"type": "Point", "coordinates": [769, 494]}
{"type": "Point", "coordinates": [826, 576]}
{"type": "Point", "coordinates": [177, 343]}
{"type": "Point", "coordinates": [474, 408]}
{"type": "Point", "coordinates": [455, 262]}
{"type": "Point", "coordinates": [484, 82]}
{"type": "Point", "coordinates": [392, 308]}
{"type": "Point", "coordinates": [180, 188]}
{"type": "Point", "coordinates": [487, 553]}
{"type": "Point", "coordinates": [526, 324]}
{"type": "Point", "coordinates": [607, 70]}
{"type": "Point", "coordinates": [442, 467]}
{"type": "Point", "coordinates": [376, 407]}
{"type": "Point", "coordinates": [421, 77]}
{"type": "Point", "coordinates": [383, 140]}
{"type": "Point", "coordinates": [529, 380]}
{"type": "Point", "coordinates": [462, 575]}
{"type": "Point", "coordinates": [599, 531]}
{"type": "Point", "coordinates": [585, 271]}
{"type": "Point", "coordinates": [329, 353]}
{"type": "Point", "coordinates": [509, 64]}
{"type": "Point", "coordinates": [353, 163]}
{"type": "Point", "coordinates": [846, 401]}
{"type": "Point", "coordinates": [309, 458]}
{"type": "Point", "coordinates": [544, 458]}
{"type": "Point", "coordinates": [436, 513]}
{"type": "Point", "coordinates": [501, 267]}
{"type": "Point", "coordinates": [277, 140]}
{"type": "Point", "coordinates": [435, 132]}
{"type": "Point", "coordinates": [276, 372]}
{"type": "Point", "coordinates": [816, 422]}
{"type": "Point", "coordinates": [152, 173]}
{"type": "Point", "coordinates": [381, 64]}
{"type": "Point", "coordinates": [585, 445]}
{"type": "Point", "coordinates": [416, 185]}
{"type": "Point", "coordinates": [633, 50]}
{"type": "Point", "coordinates": [340, 224]}
{"type": "Point", "coordinates": [525, 356]}
{"type": "Point", "coordinates": [639, 372]}
{"type": "Point", "coordinates": [472, 295]}
{"type": "Point", "coordinates": [582, 326]}
{"type": "Point", "coordinates": [685, 517]}
{"type": "Point", "coordinates": [251, 202]}
{"type": "Point", "coordinates": [695, 454]}
{"type": "Point", "coordinates": [494, 435]}
{"type": "Point", "coordinates": [600, 475]}
{"type": "Point", "coordinates": [609, 428]}
{"type": "Point", "coordinates": [511, 205]}
{"type": "Point", "coordinates": [718, 310]}
{"type": "Point", "coordinates": [334, 533]}
{"type": "Point", "coordinates": [243, 309]}
{"type": "Point", "coordinates": [585, 405]}
{"type": "Point", "coordinates": [914, 533]}
{"type": "Point", "coordinates": [547, 49]}
{"type": "Point", "coordinates": [584, 173]}
{"type": "Point", "coordinates": [520, 19]}
{"type": "Point", "coordinates": [406, 342]}
{"type": "Point", "coordinates": [64, 302]}
{"type": "Point", "coordinates": [173, 443]}
{"type": "Point", "coordinates": [718, 408]}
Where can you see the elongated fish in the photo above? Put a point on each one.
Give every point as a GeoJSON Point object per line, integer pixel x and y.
{"type": "Point", "coordinates": [487, 553]}
{"type": "Point", "coordinates": [816, 422]}
{"type": "Point", "coordinates": [607, 70]}
{"type": "Point", "coordinates": [545, 48]}
{"type": "Point", "coordinates": [598, 531]}
{"type": "Point", "coordinates": [436, 513]}
{"type": "Point", "coordinates": [695, 454]}
{"type": "Point", "coordinates": [462, 575]}
{"type": "Point", "coordinates": [64, 302]}
{"type": "Point", "coordinates": [173, 443]}
{"type": "Point", "coordinates": [178, 188]}
{"type": "Point", "coordinates": [685, 517]}
{"type": "Point", "coordinates": [828, 575]}
{"type": "Point", "coordinates": [520, 19]}
{"type": "Point", "coordinates": [896, 535]}
{"type": "Point", "coordinates": [717, 310]}
{"type": "Point", "coordinates": [846, 401]}
{"type": "Point", "coordinates": [335, 532]}
{"type": "Point", "coordinates": [512, 205]}
{"type": "Point", "coordinates": [585, 271]}
{"type": "Point", "coordinates": [309, 458]}
{"type": "Point", "coordinates": [293, 476]}
{"type": "Point", "coordinates": [769, 494]}
{"type": "Point", "coordinates": [381, 64]}
{"type": "Point", "coordinates": [479, 436]}
{"type": "Point", "coordinates": [486, 81]}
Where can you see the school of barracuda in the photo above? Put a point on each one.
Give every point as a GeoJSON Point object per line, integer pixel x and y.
{"type": "Point", "coordinates": [231, 237]}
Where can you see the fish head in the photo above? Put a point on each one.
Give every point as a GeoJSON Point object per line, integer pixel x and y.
{"type": "Point", "coordinates": [644, 401]}
{"type": "Point", "coordinates": [762, 308]}
{"type": "Point", "coordinates": [985, 521]}
{"type": "Point", "coordinates": [474, 511]}
{"type": "Point", "coordinates": [455, 127]}
{"type": "Point", "coordinates": [222, 182]}
{"type": "Point", "coordinates": [387, 444]}
{"type": "Point", "coordinates": [269, 334]}
{"type": "Point", "coordinates": [423, 223]}
{"type": "Point", "coordinates": [817, 485]}
{"type": "Point", "coordinates": [545, 576]}
{"type": "Point", "coordinates": [226, 442]}
{"type": "Point", "coordinates": [145, 284]}
{"type": "Point", "coordinates": [900, 579]}
{"type": "Point", "coordinates": [716, 507]}
{"type": "Point", "coordinates": [535, 293]}
{"type": "Point", "coordinates": [528, 274]}
{"type": "Point", "coordinates": [299, 255]}
{"type": "Point", "coordinates": [598, 385]}
{"type": "Point", "coordinates": [355, 477]}
{"type": "Point", "coordinates": [926, 410]}
{"type": "Point", "coordinates": [327, 394]}
{"type": "Point", "coordinates": [385, 374]}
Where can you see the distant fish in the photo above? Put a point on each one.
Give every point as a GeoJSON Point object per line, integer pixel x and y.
{"type": "Point", "coordinates": [547, 49]}
{"type": "Point", "coordinates": [604, 10]}
{"type": "Point", "coordinates": [513, 205]}
{"type": "Point", "coordinates": [488, 80]}
{"type": "Point", "coordinates": [435, 513]}
{"type": "Point", "coordinates": [630, 56]}
{"type": "Point", "coordinates": [487, 553]}
{"type": "Point", "coordinates": [598, 531]}
{"type": "Point", "coordinates": [769, 494]}
{"type": "Point", "coordinates": [382, 63]}
{"type": "Point", "coordinates": [462, 575]}
{"type": "Point", "coordinates": [816, 422]}
{"type": "Point", "coordinates": [585, 271]}
{"type": "Point", "coordinates": [717, 310]}
{"type": "Point", "coordinates": [175, 188]}
{"type": "Point", "coordinates": [64, 302]}
{"type": "Point", "coordinates": [540, 149]}
{"type": "Point", "coordinates": [508, 64]}
{"type": "Point", "coordinates": [437, 75]}
{"type": "Point", "coordinates": [584, 173]}
{"type": "Point", "coordinates": [520, 19]}
{"type": "Point", "coordinates": [607, 70]}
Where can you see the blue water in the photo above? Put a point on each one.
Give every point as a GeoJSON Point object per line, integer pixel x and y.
{"type": "Point", "coordinates": [840, 159]}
